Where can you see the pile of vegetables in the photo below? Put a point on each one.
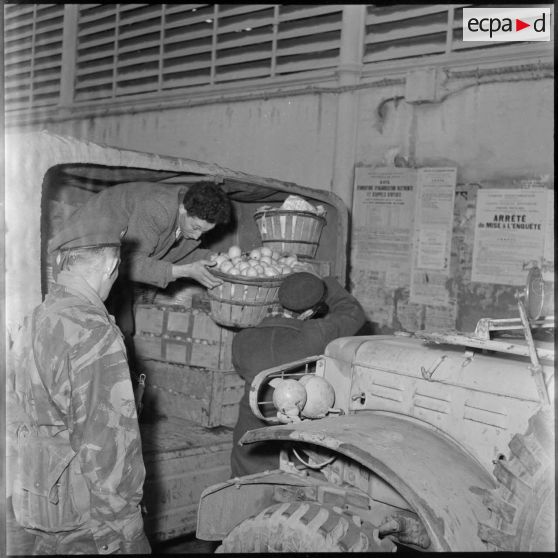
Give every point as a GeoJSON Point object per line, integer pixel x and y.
{"type": "Point", "coordinates": [259, 262]}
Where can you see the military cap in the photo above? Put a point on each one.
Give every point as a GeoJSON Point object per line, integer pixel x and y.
{"type": "Point", "coordinates": [88, 233]}
{"type": "Point", "coordinates": [301, 291]}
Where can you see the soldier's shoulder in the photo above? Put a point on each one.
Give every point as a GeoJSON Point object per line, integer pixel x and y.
{"type": "Point", "coordinates": [73, 313]}
{"type": "Point", "coordinates": [60, 301]}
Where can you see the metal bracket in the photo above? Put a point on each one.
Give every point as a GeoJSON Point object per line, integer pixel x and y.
{"type": "Point", "coordinates": [535, 368]}
{"type": "Point", "coordinates": [469, 356]}
{"type": "Point", "coordinates": [487, 325]}
{"type": "Point", "coordinates": [427, 374]}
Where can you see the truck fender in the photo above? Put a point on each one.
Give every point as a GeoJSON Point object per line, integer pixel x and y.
{"type": "Point", "coordinates": [225, 505]}
{"type": "Point", "coordinates": [439, 480]}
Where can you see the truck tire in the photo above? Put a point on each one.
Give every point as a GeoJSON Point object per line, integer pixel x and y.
{"type": "Point", "coordinates": [302, 527]}
{"type": "Point", "coordinates": [522, 506]}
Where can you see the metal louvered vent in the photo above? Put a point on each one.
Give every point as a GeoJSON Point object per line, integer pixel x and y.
{"type": "Point", "coordinates": [187, 45]}
{"type": "Point", "coordinates": [308, 37]}
{"type": "Point", "coordinates": [32, 54]}
{"type": "Point", "coordinates": [131, 49]}
{"type": "Point", "coordinates": [116, 52]}
{"type": "Point", "coordinates": [402, 31]}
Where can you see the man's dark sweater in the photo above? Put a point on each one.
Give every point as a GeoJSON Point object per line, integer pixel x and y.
{"type": "Point", "coordinates": [278, 340]}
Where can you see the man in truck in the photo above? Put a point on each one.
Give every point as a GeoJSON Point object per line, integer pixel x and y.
{"type": "Point", "coordinates": [314, 312]}
{"type": "Point", "coordinates": [164, 225]}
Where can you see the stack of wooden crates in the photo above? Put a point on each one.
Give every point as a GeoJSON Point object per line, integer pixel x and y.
{"type": "Point", "coordinates": [190, 404]}
{"type": "Point", "coordinates": [187, 360]}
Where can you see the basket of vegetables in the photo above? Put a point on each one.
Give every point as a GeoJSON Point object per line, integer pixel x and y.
{"type": "Point", "coordinates": [250, 284]}
{"type": "Point", "coordinates": [295, 227]}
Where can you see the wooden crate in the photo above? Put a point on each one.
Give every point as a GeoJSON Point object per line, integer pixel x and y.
{"type": "Point", "coordinates": [180, 292]}
{"type": "Point", "coordinates": [205, 396]}
{"type": "Point", "coordinates": [181, 460]}
{"type": "Point", "coordinates": [182, 334]}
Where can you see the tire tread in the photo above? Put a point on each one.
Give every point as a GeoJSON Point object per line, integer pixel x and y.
{"type": "Point", "coordinates": [526, 482]}
{"type": "Point", "coordinates": [301, 526]}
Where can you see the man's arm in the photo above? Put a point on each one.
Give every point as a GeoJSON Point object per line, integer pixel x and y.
{"type": "Point", "coordinates": [148, 223]}
{"type": "Point", "coordinates": [344, 318]}
{"type": "Point", "coordinates": [344, 308]}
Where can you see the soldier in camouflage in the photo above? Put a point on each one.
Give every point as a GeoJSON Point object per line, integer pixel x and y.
{"type": "Point", "coordinates": [78, 473]}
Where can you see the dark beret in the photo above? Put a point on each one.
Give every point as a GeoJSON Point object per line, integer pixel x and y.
{"type": "Point", "coordinates": [88, 233]}
{"type": "Point", "coordinates": [301, 291]}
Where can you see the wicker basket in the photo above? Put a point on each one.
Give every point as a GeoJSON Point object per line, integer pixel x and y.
{"type": "Point", "coordinates": [242, 301]}
{"type": "Point", "coordinates": [292, 232]}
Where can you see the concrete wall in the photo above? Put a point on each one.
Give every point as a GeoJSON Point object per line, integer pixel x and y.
{"type": "Point", "coordinates": [489, 131]}
{"type": "Point", "coordinates": [498, 129]}
{"type": "Point", "coordinates": [287, 138]}
{"type": "Point", "coordinates": [496, 134]}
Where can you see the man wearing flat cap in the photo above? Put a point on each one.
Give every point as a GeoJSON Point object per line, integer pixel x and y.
{"type": "Point", "coordinates": [315, 311]}
{"type": "Point", "coordinates": [75, 462]}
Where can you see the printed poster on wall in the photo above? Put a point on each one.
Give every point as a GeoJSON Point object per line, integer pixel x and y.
{"type": "Point", "coordinates": [510, 234]}
{"type": "Point", "coordinates": [432, 235]}
{"type": "Point", "coordinates": [383, 211]}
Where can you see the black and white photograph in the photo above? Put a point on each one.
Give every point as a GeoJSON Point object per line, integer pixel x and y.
{"type": "Point", "coordinates": [277, 278]}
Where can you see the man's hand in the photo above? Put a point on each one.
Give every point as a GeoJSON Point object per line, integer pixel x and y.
{"type": "Point", "coordinates": [197, 271]}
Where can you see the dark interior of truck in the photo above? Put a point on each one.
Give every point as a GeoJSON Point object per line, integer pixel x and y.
{"type": "Point", "coordinates": [67, 186]}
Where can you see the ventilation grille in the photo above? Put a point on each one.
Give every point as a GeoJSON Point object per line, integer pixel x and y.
{"type": "Point", "coordinates": [131, 49]}
{"type": "Point", "coordinates": [143, 50]}
{"type": "Point", "coordinates": [410, 31]}
{"type": "Point", "coordinates": [32, 54]}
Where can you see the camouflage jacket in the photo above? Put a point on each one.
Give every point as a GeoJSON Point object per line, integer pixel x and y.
{"type": "Point", "coordinates": [82, 397]}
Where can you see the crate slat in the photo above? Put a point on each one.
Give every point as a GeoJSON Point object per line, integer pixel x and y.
{"type": "Point", "coordinates": [181, 459]}
{"type": "Point", "coordinates": [207, 397]}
